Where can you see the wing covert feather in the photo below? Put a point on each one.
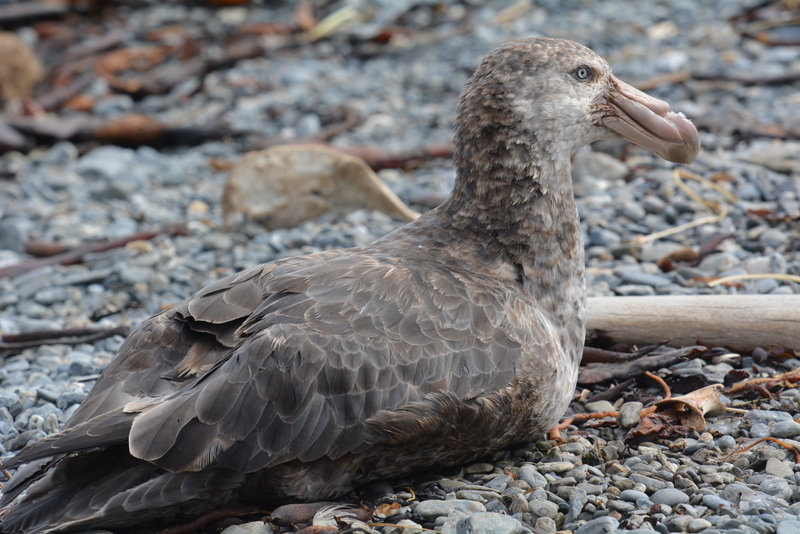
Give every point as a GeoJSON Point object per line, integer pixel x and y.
{"type": "Point", "coordinates": [288, 361]}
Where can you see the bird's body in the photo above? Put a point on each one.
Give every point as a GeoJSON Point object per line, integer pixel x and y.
{"type": "Point", "coordinates": [450, 338]}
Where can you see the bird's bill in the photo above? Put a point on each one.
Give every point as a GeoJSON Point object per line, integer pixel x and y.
{"type": "Point", "coordinates": [648, 122]}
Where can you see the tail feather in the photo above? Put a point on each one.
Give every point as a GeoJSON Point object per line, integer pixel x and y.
{"type": "Point", "coordinates": [111, 489]}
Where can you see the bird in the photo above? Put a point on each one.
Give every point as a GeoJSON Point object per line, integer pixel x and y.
{"type": "Point", "coordinates": [453, 337]}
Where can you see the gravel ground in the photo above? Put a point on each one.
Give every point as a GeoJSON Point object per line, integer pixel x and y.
{"type": "Point", "coordinates": [405, 92]}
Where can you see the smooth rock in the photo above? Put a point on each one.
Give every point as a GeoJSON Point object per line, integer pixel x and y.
{"type": "Point", "coordinates": [432, 509]}
{"type": "Point", "coordinates": [529, 474]}
{"type": "Point", "coordinates": [759, 430]}
{"type": "Point", "coordinates": [254, 527]}
{"type": "Point", "coordinates": [785, 429]}
{"type": "Point", "coordinates": [788, 526]}
{"type": "Point", "coordinates": [698, 524]}
{"type": "Point", "coordinates": [545, 525]}
{"type": "Point", "coordinates": [670, 497]}
{"type": "Point", "coordinates": [766, 416]}
{"type": "Point", "coordinates": [598, 526]}
{"type": "Point", "coordinates": [542, 508]}
{"type": "Point", "coordinates": [631, 495]}
{"type": "Point", "coordinates": [599, 407]}
{"type": "Point", "coordinates": [555, 467]}
{"type": "Point", "coordinates": [488, 523]}
{"type": "Point", "coordinates": [599, 165]}
{"type": "Point", "coordinates": [652, 484]}
{"type": "Point", "coordinates": [629, 414]}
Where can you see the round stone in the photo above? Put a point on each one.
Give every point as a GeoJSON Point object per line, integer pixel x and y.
{"type": "Point", "coordinates": [670, 497]}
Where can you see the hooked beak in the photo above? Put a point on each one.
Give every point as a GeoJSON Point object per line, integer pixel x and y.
{"type": "Point", "coordinates": [648, 122]}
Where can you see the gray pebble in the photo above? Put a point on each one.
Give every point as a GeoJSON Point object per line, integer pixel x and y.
{"type": "Point", "coordinates": [545, 525]}
{"type": "Point", "coordinates": [529, 474]}
{"type": "Point", "coordinates": [631, 495]}
{"type": "Point", "coordinates": [788, 526]}
{"type": "Point", "coordinates": [542, 508]}
{"type": "Point", "coordinates": [12, 237]}
{"type": "Point", "coordinates": [766, 416]}
{"type": "Point", "coordinates": [670, 497]}
{"type": "Point", "coordinates": [776, 486]}
{"type": "Point", "coordinates": [599, 407]}
{"type": "Point", "coordinates": [598, 526]}
{"type": "Point", "coordinates": [603, 238]}
{"type": "Point", "coordinates": [785, 429]}
{"type": "Point", "coordinates": [773, 238]}
{"type": "Point", "coordinates": [772, 264]}
{"type": "Point", "coordinates": [634, 290]}
{"type": "Point", "coordinates": [555, 467]}
{"type": "Point", "coordinates": [759, 430]}
{"type": "Point", "coordinates": [488, 523]}
{"type": "Point", "coordinates": [698, 524]}
{"type": "Point", "coordinates": [646, 279]}
{"type": "Point", "coordinates": [714, 501]}
{"type": "Point", "coordinates": [254, 527]}
{"type": "Point", "coordinates": [432, 509]}
{"type": "Point", "coordinates": [629, 414]}
{"type": "Point", "coordinates": [652, 484]}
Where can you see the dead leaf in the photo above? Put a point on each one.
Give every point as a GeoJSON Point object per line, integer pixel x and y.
{"type": "Point", "coordinates": [141, 58]}
{"type": "Point", "coordinates": [691, 409]}
{"type": "Point", "coordinates": [658, 426]}
{"type": "Point", "coordinates": [387, 509]}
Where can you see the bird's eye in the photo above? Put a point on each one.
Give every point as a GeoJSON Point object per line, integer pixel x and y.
{"type": "Point", "coordinates": [583, 73]}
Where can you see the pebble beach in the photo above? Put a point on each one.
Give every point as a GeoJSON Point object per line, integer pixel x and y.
{"type": "Point", "coordinates": [403, 89]}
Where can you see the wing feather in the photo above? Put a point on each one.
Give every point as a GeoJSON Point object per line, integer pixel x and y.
{"type": "Point", "coordinates": [288, 361]}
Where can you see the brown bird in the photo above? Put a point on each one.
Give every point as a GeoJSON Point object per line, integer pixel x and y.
{"type": "Point", "coordinates": [454, 336]}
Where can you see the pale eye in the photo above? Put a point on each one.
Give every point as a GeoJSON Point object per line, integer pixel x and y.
{"type": "Point", "coordinates": [583, 73]}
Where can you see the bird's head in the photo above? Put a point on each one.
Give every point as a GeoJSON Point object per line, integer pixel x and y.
{"type": "Point", "coordinates": [560, 95]}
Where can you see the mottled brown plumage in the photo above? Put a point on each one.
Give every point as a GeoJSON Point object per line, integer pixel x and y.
{"type": "Point", "coordinates": [450, 338]}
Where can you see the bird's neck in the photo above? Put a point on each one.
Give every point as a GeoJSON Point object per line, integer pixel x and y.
{"type": "Point", "coordinates": [516, 200]}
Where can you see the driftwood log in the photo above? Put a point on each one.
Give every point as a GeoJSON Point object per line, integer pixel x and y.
{"type": "Point", "coordinates": [738, 322]}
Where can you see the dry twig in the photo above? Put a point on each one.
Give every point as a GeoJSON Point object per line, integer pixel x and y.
{"type": "Point", "coordinates": [75, 255]}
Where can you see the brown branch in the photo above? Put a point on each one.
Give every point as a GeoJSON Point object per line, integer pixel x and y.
{"type": "Point", "coordinates": [75, 255]}
{"type": "Point", "coordinates": [777, 79]}
{"type": "Point", "coordinates": [600, 372]}
{"type": "Point", "coordinates": [595, 355]}
{"type": "Point", "coordinates": [72, 336]}
{"type": "Point", "coordinates": [611, 393]}
{"type": "Point", "coordinates": [790, 376]}
{"type": "Point", "coordinates": [664, 386]}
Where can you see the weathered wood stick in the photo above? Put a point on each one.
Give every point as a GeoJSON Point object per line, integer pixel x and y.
{"type": "Point", "coordinates": [739, 322]}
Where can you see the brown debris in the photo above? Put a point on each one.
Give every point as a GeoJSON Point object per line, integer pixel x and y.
{"type": "Point", "coordinates": [691, 409]}
{"type": "Point", "coordinates": [790, 377]}
{"type": "Point", "coordinates": [20, 69]}
{"type": "Point", "coordinates": [14, 343]}
{"type": "Point", "coordinates": [600, 372]}
{"type": "Point", "coordinates": [141, 58]}
{"type": "Point", "coordinates": [659, 426]}
{"type": "Point", "coordinates": [595, 355]}
{"type": "Point", "coordinates": [76, 254]}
